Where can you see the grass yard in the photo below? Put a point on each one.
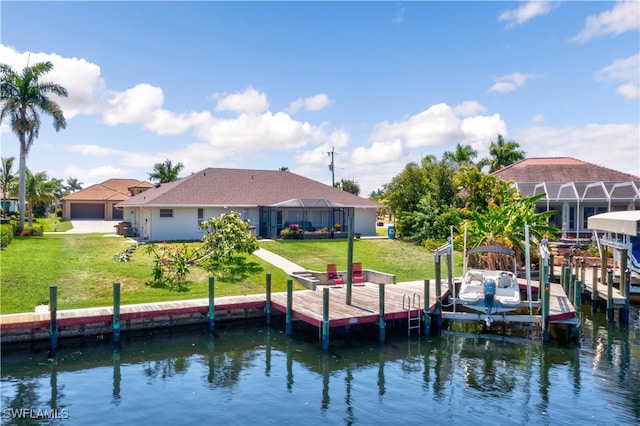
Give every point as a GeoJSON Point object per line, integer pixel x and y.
{"type": "Point", "coordinates": [82, 267]}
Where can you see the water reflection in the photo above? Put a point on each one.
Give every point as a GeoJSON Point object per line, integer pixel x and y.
{"type": "Point", "coordinates": [354, 383]}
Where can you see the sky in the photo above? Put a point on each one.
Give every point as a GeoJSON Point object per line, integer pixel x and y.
{"type": "Point", "coordinates": [265, 85]}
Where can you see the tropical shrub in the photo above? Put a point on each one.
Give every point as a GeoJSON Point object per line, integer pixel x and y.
{"type": "Point", "coordinates": [6, 235]}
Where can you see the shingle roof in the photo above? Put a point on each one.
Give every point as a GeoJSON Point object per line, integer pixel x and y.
{"type": "Point", "coordinates": [243, 188]}
{"type": "Point", "coordinates": [560, 169]}
{"type": "Point", "coordinates": [112, 190]}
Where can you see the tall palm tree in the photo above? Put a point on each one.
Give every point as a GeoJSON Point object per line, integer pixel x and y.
{"type": "Point", "coordinates": [6, 175]}
{"type": "Point", "coordinates": [166, 171]}
{"type": "Point", "coordinates": [461, 156]}
{"type": "Point", "coordinates": [72, 185]}
{"type": "Point", "coordinates": [503, 154]}
{"type": "Point", "coordinates": [22, 98]}
{"type": "Point", "coordinates": [39, 190]}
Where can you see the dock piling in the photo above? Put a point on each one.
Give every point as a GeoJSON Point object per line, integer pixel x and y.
{"type": "Point", "coordinates": [594, 294]}
{"type": "Point", "coordinates": [610, 294]}
{"type": "Point", "coordinates": [212, 307]}
{"type": "Point", "coordinates": [325, 319]}
{"type": "Point", "coordinates": [426, 317]}
{"type": "Point", "coordinates": [53, 313]}
{"type": "Point", "coordinates": [116, 313]}
{"type": "Point", "coordinates": [289, 316]}
{"type": "Point", "coordinates": [545, 301]}
{"type": "Point", "coordinates": [267, 306]}
{"type": "Point", "coordinates": [623, 313]}
{"type": "Point", "coordinates": [381, 322]}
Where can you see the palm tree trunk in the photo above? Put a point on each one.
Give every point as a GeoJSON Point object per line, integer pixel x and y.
{"type": "Point", "coordinates": [22, 175]}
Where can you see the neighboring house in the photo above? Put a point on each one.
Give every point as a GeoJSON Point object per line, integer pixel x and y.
{"type": "Point", "coordinates": [269, 199]}
{"type": "Point", "coordinates": [573, 188]}
{"type": "Point", "coordinates": [98, 201]}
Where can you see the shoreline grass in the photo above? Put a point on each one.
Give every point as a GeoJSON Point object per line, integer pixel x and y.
{"type": "Point", "coordinates": [82, 267]}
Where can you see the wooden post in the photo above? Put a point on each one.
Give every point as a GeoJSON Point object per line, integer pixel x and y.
{"type": "Point", "coordinates": [53, 317]}
{"type": "Point", "coordinates": [325, 319]}
{"type": "Point", "coordinates": [545, 305]}
{"type": "Point", "coordinates": [623, 314]}
{"type": "Point", "coordinates": [610, 294]}
{"type": "Point", "coordinates": [426, 323]}
{"type": "Point", "coordinates": [212, 307]}
{"type": "Point", "coordinates": [577, 296]}
{"type": "Point", "coordinates": [438, 312]}
{"type": "Point", "coordinates": [116, 313]}
{"type": "Point", "coordinates": [350, 259]}
{"type": "Point", "coordinates": [583, 272]}
{"type": "Point", "coordinates": [551, 267]}
{"type": "Point", "coordinates": [381, 322]}
{"type": "Point", "coordinates": [572, 292]}
{"type": "Point", "coordinates": [603, 264]}
{"type": "Point", "coordinates": [267, 306]}
{"type": "Point", "coordinates": [594, 295]}
{"type": "Point", "coordinates": [623, 267]}
{"type": "Point", "coordinates": [289, 317]}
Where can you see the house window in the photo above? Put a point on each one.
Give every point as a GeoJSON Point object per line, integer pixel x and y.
{"type": "Point", "coordinates": [200, 217]}
{"type": "Point", "coordinates": [590, 211]}
{"type": "Point", "coordinates": [166, 212]}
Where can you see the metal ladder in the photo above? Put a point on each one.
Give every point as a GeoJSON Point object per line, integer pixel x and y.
{"type": "Point", "coordinates": [409, 303]}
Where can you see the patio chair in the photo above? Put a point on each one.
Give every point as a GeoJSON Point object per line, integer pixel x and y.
{"type": "Point", "coordinates": [356, 268]}
{"type": "Point", "coordinates": [333, 276]}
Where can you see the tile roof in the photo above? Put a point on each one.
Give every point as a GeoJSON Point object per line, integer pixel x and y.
{"type": "Point", "coordinates": [561, 169]}
{"type": "Point", "coordinates": [243, 188]}
{"type": "Point", "coordinates": [112, 189]}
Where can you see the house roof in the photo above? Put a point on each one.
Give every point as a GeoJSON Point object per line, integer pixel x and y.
{"type": "Point", "coordinates": [112, 190]}
{"type": "Point", "coordinates": [243, 188]}
{"type": "Point", "coordinates": [560, 169]}
{"type": "Point", "coordinates": [566, 178]}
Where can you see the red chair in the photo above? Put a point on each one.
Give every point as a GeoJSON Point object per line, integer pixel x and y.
{"type": "Point", "coordinates": [332, 274]}
{"type": "Point", "coordinates": [356, 268]}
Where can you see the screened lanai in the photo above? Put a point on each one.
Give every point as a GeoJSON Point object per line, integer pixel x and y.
{"type": "Point", "coordinates": [312, 215]}
{"type": "Point", "coordinates": [575, 202]}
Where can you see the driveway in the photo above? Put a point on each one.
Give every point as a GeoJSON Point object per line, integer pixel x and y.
{"type": "Point", "coordinates": [93, 226]}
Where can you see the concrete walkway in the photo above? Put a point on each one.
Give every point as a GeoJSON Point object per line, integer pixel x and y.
{"type": "Point", "coordinates": [279, 261]}
{"type": "Point", "coordinates": [93, 226]}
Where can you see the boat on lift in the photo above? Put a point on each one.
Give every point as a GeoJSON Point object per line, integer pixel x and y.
{"type": "Point", "coordinates": [490, 291]}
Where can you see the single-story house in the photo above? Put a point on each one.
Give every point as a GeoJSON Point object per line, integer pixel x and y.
{"type": "Point", "coordinates": [573, 188]}
{"type": "Point", "coordinates": [98, 201]}
{"type": "Point", "coordinates": [270, 199]}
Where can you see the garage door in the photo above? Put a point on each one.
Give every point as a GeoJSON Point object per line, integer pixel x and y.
{"type": "Point", "coordinates": [87, 211]}
{"type": "Point", "coordinates": [116, 214]}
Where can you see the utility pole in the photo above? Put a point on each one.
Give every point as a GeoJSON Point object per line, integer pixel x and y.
{"type": "Point", "coordinates": [332, 168]}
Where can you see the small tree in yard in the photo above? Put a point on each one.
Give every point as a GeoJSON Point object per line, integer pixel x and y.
{"type": "Point", "coordinates": [226, 236]}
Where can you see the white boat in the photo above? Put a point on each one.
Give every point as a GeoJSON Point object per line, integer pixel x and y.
{"type": "Point", "coordinates": [490, 291]}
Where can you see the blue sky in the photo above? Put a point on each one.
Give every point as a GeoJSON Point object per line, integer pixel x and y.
{"type": "Point", "coordinates": [265, 85]}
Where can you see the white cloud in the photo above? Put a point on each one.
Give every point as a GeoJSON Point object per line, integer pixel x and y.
{"type": "Point", "coordinates": [469, 108]}
{"type": "Point", "coordinates": [81, 79]}
{"type": "Point", "coordinates": [250, 101]}
{"type": "Point", "coordinates": [94, 150]}
{"type": "Point", "coordinates": [538, 118]}
{"type": "Point", "coordinates": [399, 16]}
{"type": "Point", "coordinates": [441, 125]}
{"type": "Point", "coordinates": [510, 82]}
{"type": "Point", "coordinates": [134, 105]}
{"type": "Point", "coordinates": [610, 145]}
{"type": "Point", "coordinates": [378, 153]}
{"type": "Point", "coordinates": [627, 71]}
{"type": "Point", "coordinates": [525, 13]}
{"type": "Point", "coordinates": [311, 103]}
{"type": "Point", "coordinates": [623, 17]}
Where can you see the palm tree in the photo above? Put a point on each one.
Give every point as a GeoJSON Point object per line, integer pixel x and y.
{"type": "Point", "coordinates": [72, 185]}
{"type": "Point", "coordinates": [6, 175]}
{"type": "Point", "coordinates": [166, 172]}
{"type": "Point", "coordinates": [462, 156]}
{"type": "Point", "coordinates": [22, 97]}
{"type": "Point", "coordinates": [503, 154]}
{"type": "Point", "coordinates": [39, 190]}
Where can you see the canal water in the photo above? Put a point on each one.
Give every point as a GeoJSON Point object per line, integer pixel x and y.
{"type": "Point", "coordinates": [249, 374]}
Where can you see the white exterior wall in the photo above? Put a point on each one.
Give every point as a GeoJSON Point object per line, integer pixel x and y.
{"type": "Point", "coordinates": [364, 221]}
{"type": "Point", "coordinates": [182, 226]}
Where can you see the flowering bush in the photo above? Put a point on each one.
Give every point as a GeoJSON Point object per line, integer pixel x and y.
{"type": "Point", "coordinates": [292, 232]}
{"type": "Point", "coordinates": [225, 236]}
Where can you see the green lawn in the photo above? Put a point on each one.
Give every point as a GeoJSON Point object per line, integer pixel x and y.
{"type": "Point", "coordinates": [82, 267]}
